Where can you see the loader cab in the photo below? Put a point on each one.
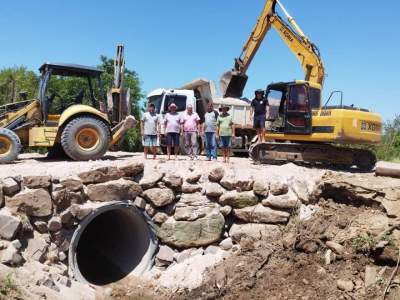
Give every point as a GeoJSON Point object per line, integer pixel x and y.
{"type": "Point", "coordinates": [293, 103]}
{"type": "Point", "coordinates": [87, 87]}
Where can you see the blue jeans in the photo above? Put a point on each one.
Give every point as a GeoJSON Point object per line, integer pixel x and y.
{"type": "Point", "coordinates": [211, 145]}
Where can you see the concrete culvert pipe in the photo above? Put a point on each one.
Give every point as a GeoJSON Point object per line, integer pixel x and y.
{"type": "Point", "coordinates": [116, 240]}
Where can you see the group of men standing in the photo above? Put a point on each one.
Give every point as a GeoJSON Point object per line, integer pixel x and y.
{"type": "Point", "coordinates": [217, 129]}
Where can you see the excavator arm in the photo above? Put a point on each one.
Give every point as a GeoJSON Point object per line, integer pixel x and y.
{"type": "Point", "coordinates": [233, 82]}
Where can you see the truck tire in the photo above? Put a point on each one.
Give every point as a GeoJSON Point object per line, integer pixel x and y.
{"type": "Point", "coordinates": [85, 138]}
{"type": "Point", "coordinates": [10, 146]}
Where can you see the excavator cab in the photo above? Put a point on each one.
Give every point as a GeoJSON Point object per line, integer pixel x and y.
{"type": "Point", "coordinates": [295, 100]}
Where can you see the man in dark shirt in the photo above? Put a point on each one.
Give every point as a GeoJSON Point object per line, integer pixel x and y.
{"type": "Point", "coordinates": [258, 113]}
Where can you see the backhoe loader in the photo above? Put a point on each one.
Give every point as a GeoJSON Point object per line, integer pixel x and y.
{"type": "Point", "coordinates": [83, 132]}
{"type": "Point", "coordinates": [305, 130]}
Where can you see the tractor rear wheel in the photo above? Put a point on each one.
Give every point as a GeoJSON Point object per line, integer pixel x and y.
{"type": "Point", "coordinates": [10, 146]}
{"type": "Point", "coordinates": [85, 138]}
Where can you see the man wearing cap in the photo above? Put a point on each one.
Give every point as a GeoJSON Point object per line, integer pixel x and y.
{"type": "Point", "coordinates": [190, 127]}
{"type": "Point", "coordinates": [258, 113]}
{"type": "Point", "coordinates": [172, 130]}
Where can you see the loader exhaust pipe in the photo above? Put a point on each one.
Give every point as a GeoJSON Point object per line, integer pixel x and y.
{"type": "Point", "coordinates": [116, 240]}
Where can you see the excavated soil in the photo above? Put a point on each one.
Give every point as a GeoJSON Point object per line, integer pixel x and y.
{"type": "Point", "coordinates": [282, 269]}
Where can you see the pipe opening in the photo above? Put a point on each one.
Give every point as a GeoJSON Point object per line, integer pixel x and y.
{"type": "Point", "coordinates": [113, 243]}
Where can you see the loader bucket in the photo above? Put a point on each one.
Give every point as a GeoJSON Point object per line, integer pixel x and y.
{"type": "Point", "coordinates": [232, 84]}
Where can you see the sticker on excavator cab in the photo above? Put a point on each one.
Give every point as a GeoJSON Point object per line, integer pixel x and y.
{"type": "Point", "coordinates": [326, 113]}
{"type": "Point", "coordinates": [368, 126]}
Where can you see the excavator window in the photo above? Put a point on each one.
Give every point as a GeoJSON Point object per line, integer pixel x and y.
{"type": "Point", "coordinates": [315, 98]}
{"type": "Point", "coordinates": [179, 100]}
{"type": "Point", "coordinates": [298, 100]}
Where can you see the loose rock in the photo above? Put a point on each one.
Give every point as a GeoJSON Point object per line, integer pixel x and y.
{"type": "Point", "coordinates": [255, 231]}
{"type": "Point", "coordinates": [10, 256]}
{"type": "Point", "coordinates": [80, 211]}
{"type": "Point", "coordinates": [41, 226]}
{"type": "Point", "coordinates": [150, 180]}
{"type": "Point", "coordinates": [278, 187]}
{"type": "Point", "coordinates": [213, 190]}
{"type": "Point", "coordinates": [345, 285]}
{"type": "Point", "coordinates": [188, 188]}
{"type": "Point", "coordinates": [9, 225]}
{"type": "Point", "coordinates": [140, 202]}
{"type": "Point", "coordinates": [10, 186]}
{"type": "Point", "coordinates": [261, 214]}
{"type": "Point", "coordinates": [159, 197]}
{"type": "Point", "coordinates": [160, 218]}
{"type": "Point", "coordinates": [132, 169]}
{"type": "Point", "coordinates": [226, 210]}
{"type": "Point", "coordinates": [72, 184]}
{"type": "Point", "coordinates": [216, 174]}
{"type": "Point", "coordinates": [288, 201]}
{"type": "Point", "coordinates": [54, 224]}
{"type": "Point", "coordinates": [37, 182]}
{"type": "Point", "coordinates": [36, 203]}
{"type": "Point", "coordinates": [193, 177]}
{"type": "Point", "coordinates": [261, 187]}
{"type": "Point", "coordinates": [337, 248]}
{"type": "Point", "coordinates": [173, 181]}
{"type": "Point", "coordinates": [226, 244]}
{"type": "Point", "coordinates": [118, 190]}
{"type": "Point", "coordinates": [101, 175]}
{"type": "Point", "coordinates": [237, 183]}
{"type": "Point", "coordinates": [239, 199]}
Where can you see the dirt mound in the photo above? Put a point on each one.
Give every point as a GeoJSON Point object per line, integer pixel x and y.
{"type": "Point", "coordinates": [296, 266]}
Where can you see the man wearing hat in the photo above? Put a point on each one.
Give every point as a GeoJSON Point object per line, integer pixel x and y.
{"type": "Point", "coordinates": [258, 113]}
{"type": "Point", "coordinates": [172, 130]}
{"type": "Point", "coordinates": [225, 132]}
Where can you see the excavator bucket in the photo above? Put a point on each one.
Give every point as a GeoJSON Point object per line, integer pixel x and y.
{"type": "Point", "coordinates": [232, 84]}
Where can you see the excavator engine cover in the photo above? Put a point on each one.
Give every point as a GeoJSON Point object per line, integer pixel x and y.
{"type": "Point", "coordinates": [232, 84]}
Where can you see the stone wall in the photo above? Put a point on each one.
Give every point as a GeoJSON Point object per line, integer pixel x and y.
{"type": "Point", "coordinates": [39, 214]}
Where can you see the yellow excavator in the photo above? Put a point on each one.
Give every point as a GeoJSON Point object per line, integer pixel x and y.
{"type": "Point", "coordinates": [304, 130]}
{"type": "Point", "coordinates": [82, 131]}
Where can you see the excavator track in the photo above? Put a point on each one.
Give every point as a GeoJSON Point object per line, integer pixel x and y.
{"type": "Point", "coordinates": [272, 153]}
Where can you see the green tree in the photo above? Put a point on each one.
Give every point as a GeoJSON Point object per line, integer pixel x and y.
{"type": "Point", "coordinates": [15, 80]}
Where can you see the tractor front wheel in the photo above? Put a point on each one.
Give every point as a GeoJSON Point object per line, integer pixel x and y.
{"type": "Point", "coordinates": [85, 138]}
{"type": "Point", "coordinates": [10, 146]}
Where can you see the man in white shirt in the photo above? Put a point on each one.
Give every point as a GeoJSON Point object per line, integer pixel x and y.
{"type": "Point", "coordinates": [150, 130]}
{"type": "Point", "coordinates": [190, 128]}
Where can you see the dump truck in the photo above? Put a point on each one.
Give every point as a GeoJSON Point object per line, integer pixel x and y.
{"type": "Point", "coordinates": [84, 131]}
{"type": "Point", "coordinates": [199, 93]}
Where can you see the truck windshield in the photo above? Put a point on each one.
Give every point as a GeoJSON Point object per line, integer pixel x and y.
{"type": "Point", "coordinates": [179, 100]}
{"type": "Point", "coordinates": [157, 101]}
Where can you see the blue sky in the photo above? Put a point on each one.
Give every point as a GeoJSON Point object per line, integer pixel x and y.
{"type": "Point", "coordinates": [170, 43]}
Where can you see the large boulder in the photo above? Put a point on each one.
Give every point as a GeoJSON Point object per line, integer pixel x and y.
{"type": "Point", "coordinates": [37, 182]}
{"type": "Point", "coordinates": [239, 199]}
{"type": "Point", "coordinates": [261, 187]}
{"type": "Point", "coordinates": [237, 182]}
{"type": "Point", "coordinates": [301, 188]}
{"type": "Point", "coordinates": [10, 186]}
{"type": "Point", "coordinates": [184, 234]}
{"type": "Point", "coordinates": [150, 180]}
{"type": "Point", "coordinates": [117, 190]}
{"type": "Point", "coordinates": [132, 169]}
{"type": "Point", "coordinates": [288, 201]}
{"type": "Point", "coordinates": [35, 203]}
{"type": "Point", "coordinates": [159, 197]}
{"type": "Point", "coordinates": [213, 190]}
{"type": "Point", "coordinates": [101, 175]}
{"type": "Point", "coordinates": [261, 214]}
{"type": "Point", "coordinates": [192, 207]}
{"type": "Point", "coordinates": [173, 181]}
{"type": "Point", "coordinates": [255, 231]}
{"type": "Point", "coordinates": [9, 224]}
{"type": "Point", "coordinates": [216, 174]}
